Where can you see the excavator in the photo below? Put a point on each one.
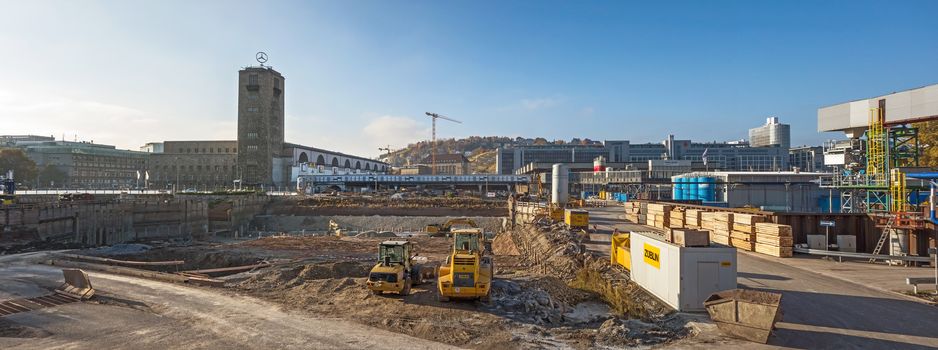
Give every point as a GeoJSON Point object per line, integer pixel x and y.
{"type": "Point", "coordinates": [468, 271]}
{"type": "Point", "coordinates": [437, 230]}
{"type": "Point", "coordinates": [396, 270]}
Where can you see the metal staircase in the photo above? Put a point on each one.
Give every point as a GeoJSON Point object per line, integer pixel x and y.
{"type": "Point", "coordinates": [877, 166]}
{"type": "Point", "coordinates": [883, 237]}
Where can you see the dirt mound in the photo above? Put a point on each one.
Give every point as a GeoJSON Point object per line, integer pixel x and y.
{"type": "Point", "coordinates": [285, 277]}
{"type": "Point", "coordinates": [9, 329]}
{"type": "Point", "coordinates": [503, 245]}
{"type": "Point", "coordinates": [556, 253]}
{"type": "Point", "coordinates": [339, 248]}
{"type": "Point", "coordinates": [320, 223]}
{"type": "Point", "coordinates": [545, 302]}
{"type": "Point", "coordinates": [613, 285]}
{"type": "Point", "coordinates": [373, 234]}
{"type": "Point", "coordinates": [195, 258]}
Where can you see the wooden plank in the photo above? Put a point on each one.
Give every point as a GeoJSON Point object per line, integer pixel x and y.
{"type": "Point", "coordinates": [742, 235]}
{"type": "Point", "coordinates": [741, 244]}
{"type": "Point", "coordinates": [775, 241]}
{"type": "Point", "coordinates": [781, 252]}
{"type": "Point", "coordinates": [748, 219]}
{"type": "Point", "coordinates": [776, 229]}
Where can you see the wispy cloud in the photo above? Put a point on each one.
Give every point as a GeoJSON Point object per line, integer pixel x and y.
{"type": "Point", "coordinates": [532, 104]}
{"type": "Point", "coordinates": [124, 126]}
{"type": "Point", "coordinates": [396, 131]}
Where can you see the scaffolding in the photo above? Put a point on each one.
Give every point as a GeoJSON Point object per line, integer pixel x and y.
{"type": "Point", "coordinates": [876, 142]}
{"type": "Point", "coordinates": [898, 192]}
{"type": "Point", "coordinates": [871, 181]}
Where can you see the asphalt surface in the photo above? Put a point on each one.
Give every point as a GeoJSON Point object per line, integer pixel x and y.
{"type": "Point", "coordinates": [819, 312]}
{"type": "Point", "coordinates": [135, 313]}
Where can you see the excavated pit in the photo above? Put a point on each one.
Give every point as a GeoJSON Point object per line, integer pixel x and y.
{"type": "Point", "coordinates": [541, 297]}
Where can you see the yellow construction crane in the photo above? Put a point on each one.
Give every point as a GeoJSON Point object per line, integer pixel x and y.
{"type": "Point", "coordinates": [435, 116]}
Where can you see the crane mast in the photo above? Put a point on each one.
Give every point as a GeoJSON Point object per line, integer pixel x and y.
{"type": "Point", "coordinates": [435, 116]}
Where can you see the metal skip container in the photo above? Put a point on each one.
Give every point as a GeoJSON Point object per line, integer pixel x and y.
{"type": "Point", "coordinates": [745, 313]}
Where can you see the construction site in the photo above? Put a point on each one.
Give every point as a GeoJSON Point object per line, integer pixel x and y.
{"type": "Point", "coordinates": [567, 259]}
{"type": "Point", "coordinates": [550, 257]}
{"type": "Point", "coordinates": [478, 242]}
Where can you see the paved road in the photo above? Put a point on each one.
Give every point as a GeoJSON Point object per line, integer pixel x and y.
{"type": "Point", "coordinates": [820, 312]}
{"type": "Point", "coordinates": [144, 314]}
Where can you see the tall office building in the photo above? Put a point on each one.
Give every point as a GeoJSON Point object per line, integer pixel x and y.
{"type": "Point", "coordinates": [772, 133]}
{"type": "Point", "coordinates": [260, 123]}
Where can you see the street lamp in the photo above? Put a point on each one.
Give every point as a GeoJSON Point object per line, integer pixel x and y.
{"type": "Point", "coordinates": [175, 185]}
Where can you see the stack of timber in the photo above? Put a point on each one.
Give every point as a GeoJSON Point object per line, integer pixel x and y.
{"type": "Point", "coordinates": [633, 211]}
{"type": "Point", "coordinates": [643, 216]}
{"type": "Point", "coordinates": [692, 218]}
{"type": "Point", "coordinates": [658, 215]}
{"type": "Point", "coordinates": [676, 217]}
{"type": "Point", "coordinates": [719, 224]}
{"type": "Point", "coordinates": [743, 235]}
{"type": "Point", "coordinates": [774, 239]}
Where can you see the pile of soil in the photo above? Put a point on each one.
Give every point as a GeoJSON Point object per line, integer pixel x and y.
{"type": "Point", "coordinates": [320, 223]}
{"type": "Point", "coordinates": [195, 257]}
{"type": "Point", "coordinates": [373, 234]}
{"type": "Point", "coordinates": [338, 248]}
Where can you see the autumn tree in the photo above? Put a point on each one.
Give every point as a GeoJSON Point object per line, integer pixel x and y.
{"type": "Point", "coordinates": [928, 141]}
{"type": "Point", "coordinates": [24, 169]}
{"type": "Point", "coordinates": [52, 176]}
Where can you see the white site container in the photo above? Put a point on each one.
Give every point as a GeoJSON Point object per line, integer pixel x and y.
{"type": "Point", "coordinates": [682, 277]}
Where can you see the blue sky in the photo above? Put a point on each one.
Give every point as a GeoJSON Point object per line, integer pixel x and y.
{"type": "Point", "coordinates": [360, 74]}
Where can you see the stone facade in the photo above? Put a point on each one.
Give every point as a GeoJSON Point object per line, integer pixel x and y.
{"type": "Point", "coordinates": [260, 123]}
{"type": "Point", "coordinates": [194, 164]}
{"type": "Point", "coordinates": [449, 164]}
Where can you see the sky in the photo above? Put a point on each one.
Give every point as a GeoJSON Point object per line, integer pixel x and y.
{"type": "Point", "coordinates": [360, 74]}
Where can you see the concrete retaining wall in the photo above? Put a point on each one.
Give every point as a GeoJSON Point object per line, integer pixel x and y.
{"type": "Point", "coordinates": [121, 220]}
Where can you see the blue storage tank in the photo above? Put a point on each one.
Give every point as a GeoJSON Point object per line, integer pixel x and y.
{"type": "Point", "coordinates": [677, 192]}
{"type": "Point", "coordinates": [706, 189]}
{"type": "Point", "coordinates": [685, 188]}
{"type": "Point", "coordinates": [692, 187]}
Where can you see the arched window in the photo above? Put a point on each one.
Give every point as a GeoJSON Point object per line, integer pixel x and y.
{"type": "Point", "coordinates": [335, 162]}
{"type": "Point", "coordinates": [358, 165]}
{"type": "Point", "coordinates": [320, 160]}
{"type": "Point", "coordinates": [304, 158]}
{"type": "Point", "coordinates": [348, 164]}
{"type": "Point", "coordinates": [367, 166]}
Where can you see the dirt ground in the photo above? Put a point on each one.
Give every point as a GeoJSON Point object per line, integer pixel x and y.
{"type": "Point", "coordinates": [532, 304]}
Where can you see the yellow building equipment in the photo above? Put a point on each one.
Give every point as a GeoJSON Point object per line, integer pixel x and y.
{"type": "Point", "coordinates": [447, 227]}
{"type": "Point", "coordinates": [619, 251]}
{"type": "Point", "coordinates": [396, 271]}
{"type": "Point", "coordinates": [467, 273]}
{"type": "Point", "coordinates": [577, 218]}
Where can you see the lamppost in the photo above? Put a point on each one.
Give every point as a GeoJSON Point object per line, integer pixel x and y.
{"type": "Point", "coordinates": [175, 185]}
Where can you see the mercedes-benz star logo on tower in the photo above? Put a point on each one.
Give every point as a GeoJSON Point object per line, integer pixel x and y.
{"type": "Point", "coordinates": [261, 57]}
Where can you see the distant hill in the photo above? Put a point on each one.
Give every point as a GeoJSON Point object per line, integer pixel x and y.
{"type": "Point", "coordinates": [480, 150]}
